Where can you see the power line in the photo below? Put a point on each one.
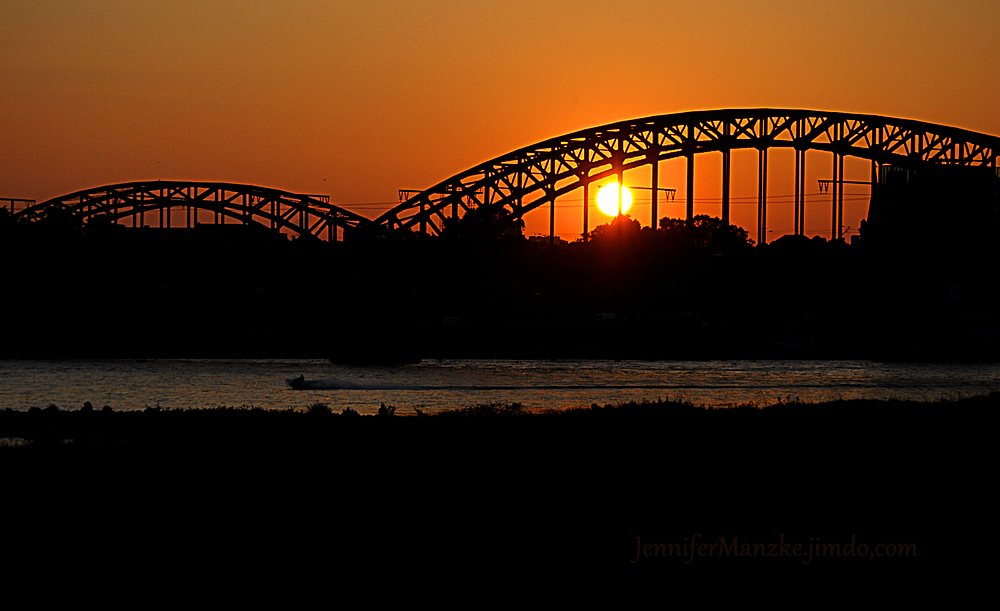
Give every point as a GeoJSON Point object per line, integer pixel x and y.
{"type": "Point", "coordinates": [752, 198]}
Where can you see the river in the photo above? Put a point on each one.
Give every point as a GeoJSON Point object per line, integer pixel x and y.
{"type": "Point", "coordinates": [436, 385]}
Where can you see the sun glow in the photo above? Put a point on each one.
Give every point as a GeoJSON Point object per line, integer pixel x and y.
{"type": "Point", "coordinates": [607, 199]}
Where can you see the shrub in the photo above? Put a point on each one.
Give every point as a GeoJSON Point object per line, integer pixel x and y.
{"type": "Point", "coordinates": [318, 409]}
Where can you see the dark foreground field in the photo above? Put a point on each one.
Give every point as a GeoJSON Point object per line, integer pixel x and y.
{"type": "Point", "coordinates": [496, 492]}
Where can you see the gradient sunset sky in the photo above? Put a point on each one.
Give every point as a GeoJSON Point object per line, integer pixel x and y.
{"type": "Point", "coordinates": [359, 99]}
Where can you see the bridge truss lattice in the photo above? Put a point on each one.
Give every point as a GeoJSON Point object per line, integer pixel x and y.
{"type": "Point", "coordinates": [204, 202]}
{"type": "Point", "coordinates": [547, 170]}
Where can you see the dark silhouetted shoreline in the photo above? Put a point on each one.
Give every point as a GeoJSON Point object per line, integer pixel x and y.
{"type": "Point", "coordinates": [494, 485]}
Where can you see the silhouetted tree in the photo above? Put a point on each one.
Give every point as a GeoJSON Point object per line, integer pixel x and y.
{"type": "Point", "coordinates": [484, 222]}
{"type": "Point", "coordinates": [623, 228]}
{"type": "Point", "coordinates": [705, 232]}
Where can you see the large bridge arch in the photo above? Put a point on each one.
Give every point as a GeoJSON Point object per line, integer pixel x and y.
{"type": "Point", "coordinates": [247, 204]}
{"type": "Point", "coordinates": [557, 166]}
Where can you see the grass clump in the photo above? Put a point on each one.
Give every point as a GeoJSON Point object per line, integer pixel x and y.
{"type": "Point", "coordinates": [319, 409]}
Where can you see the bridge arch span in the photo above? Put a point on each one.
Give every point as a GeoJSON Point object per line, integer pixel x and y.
{"type": "Point", "coordinates": [555, 167]}
{"type": "Point", "coordinates": [247, 204]}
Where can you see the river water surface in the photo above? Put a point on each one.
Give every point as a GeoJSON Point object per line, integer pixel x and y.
{"type": "Point", "coordinates": [436, 385]}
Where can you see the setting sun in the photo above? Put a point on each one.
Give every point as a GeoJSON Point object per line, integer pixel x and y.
{"type": "Point", "coordinates": [607, 199]}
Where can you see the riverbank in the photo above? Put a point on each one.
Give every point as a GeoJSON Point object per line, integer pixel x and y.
{"type": "Point", "coordinates": [496, 487]}
{"type": "Point", "coordinates": [54, 429]}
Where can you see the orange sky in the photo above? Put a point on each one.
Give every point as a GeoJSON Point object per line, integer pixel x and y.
{"type": "Point", "coordinates": [359, 99]}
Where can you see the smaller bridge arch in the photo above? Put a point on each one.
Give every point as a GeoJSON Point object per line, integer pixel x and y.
{"type": "Point", "coordinates": [278, 210]}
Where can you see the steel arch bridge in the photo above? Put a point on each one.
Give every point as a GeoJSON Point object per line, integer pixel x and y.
{"type": "Point", "coordinates": [557, 166]}
{"type": "Point", "coordinates": [241, 204]}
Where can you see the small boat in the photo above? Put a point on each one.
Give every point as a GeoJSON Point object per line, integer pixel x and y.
{"type": "Point", "coordinates": [301, 383]}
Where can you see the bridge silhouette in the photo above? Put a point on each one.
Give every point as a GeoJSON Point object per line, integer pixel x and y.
{"type": "Point", "coordinates": [534, 176]}
{"type": "Point", "coordinates": [240, 204]}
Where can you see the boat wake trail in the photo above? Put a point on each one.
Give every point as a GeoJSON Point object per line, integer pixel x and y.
{"type": "Point", "coordinates": [302, 384]}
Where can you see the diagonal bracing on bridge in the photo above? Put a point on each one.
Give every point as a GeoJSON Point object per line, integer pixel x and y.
{"type": "Point", "coordinates": [536, 175]}
{"type": "Point", "coordinates": [555, 167]}
{"type": "Point", "coordinates": [225, 202]}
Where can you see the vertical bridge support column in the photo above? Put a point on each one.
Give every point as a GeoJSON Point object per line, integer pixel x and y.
{"type": "Point", "coordinates": [656, 189]}
{"type": "Point", "coordinates": [800, 191]}
{"type": "Point", "coordinates": [690, 186]}
{"type": "Point", "coordinates": [762, 196]}
{"type": "Point", "coordinates": [834, 230]}
{"type": "Point", "coordinates": [726, 167]}
{"type": "Point", "coordinates": [552, 202]}
{"type": "Point", "coordinates": [726, 173]}
{"type": "Point", "coordinates": [840, 197]}
{"type": "Point", "coordinates": [690, 173]}
{"type": "Point", "coordinates": [621, 184]}
{"type": "Point", "coordinates": [552, 221]}
{"type": "Point", "coordinates": [795, 229]}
